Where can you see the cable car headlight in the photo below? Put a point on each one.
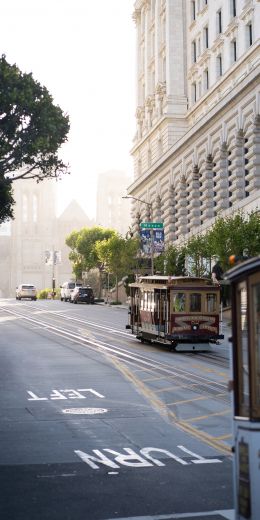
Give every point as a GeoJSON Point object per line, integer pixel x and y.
{"type": "Point", "coordinates": [194, 326]}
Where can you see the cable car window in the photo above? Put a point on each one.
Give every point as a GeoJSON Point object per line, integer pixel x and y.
{"type": "Point", "coordinates": [256, 345]}
{"type": "Point", "coordinates": [179, 302]}
{"type": "Point", "coordinates": [195, 302]}
{"type": "Point", "coordinates": [243, 351]}
{"type": "Point", "coordinates": [145, 301]}
{"type": "Point", "coordinates": [211, 302]}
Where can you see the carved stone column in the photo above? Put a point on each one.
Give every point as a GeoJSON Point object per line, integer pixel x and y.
{"type": "Point", "coordinates": [169, 215]}
{"type": "Point", "coordinates": [237, 168]}
{"type": "Point", "coordinates": [181, 208]}
{"type": "Point", "coordinates": [252, 157]}
{"type": "Point", "coordinates": [207, 190]}
{"type": "Point", "coordinates": [194, 199]}
{"type": "Point", "coordinates": [221, 180]}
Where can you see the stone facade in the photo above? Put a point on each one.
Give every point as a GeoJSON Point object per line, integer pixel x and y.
{"type": "Point", "coordinates": [112, 211]}
{"type": "Point", "coordinates": [197, 147]}
{"type": "Point", "coordinates": [34, 230]}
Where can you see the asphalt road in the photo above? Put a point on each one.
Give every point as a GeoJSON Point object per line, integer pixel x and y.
{"type": "Point", "coordinates": [96, 426]}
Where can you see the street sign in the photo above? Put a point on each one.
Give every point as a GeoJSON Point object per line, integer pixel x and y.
{"type": "Point", "coordinates": [151, 225]}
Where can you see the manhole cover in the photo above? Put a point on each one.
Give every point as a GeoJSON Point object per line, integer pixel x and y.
{"type": "Point", "coordinates": [84, 411]}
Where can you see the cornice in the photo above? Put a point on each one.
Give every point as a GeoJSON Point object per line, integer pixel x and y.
{"type": "Point", "coordinates": [136, 15]}
{"type": "Point", "coordinates": [232, 27]}
{"type": "Point", "coordinates": [219, 42]}
{"type": "Point", "coordinates": [204, 57]}
{"type": "Point", "coordinates": [253, 77]}
{"type": "Point", "coordinates": [247, 10]}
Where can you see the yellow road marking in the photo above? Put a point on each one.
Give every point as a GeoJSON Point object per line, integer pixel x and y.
{"type": "Point", "coordinates": [169, 388]}
{"type": "Point", "coordinates": [202, 417]}
{"type": "Point", "coordinates": [222, 437]}
{"type": "Point", "coordinates": [153, 379]}
{"type": "Point", "coordinates": [161, 407]}
{"type": "Point", "coordinates": [188, 401]}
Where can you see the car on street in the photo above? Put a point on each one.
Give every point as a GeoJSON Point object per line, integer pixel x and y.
{"type": "Point", "coordinates": [66, 290]}
{"type": "Point", "coordinates": [26, 290]}
{"type": "Point", "coordinates": [82, 295]}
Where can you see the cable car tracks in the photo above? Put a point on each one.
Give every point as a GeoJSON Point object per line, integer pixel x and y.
{"type": "Point", "coordinates": [161, 382]}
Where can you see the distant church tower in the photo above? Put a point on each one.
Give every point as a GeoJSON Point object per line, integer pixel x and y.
{"type": "Point", "coordinates": [32, 233]}
{"type": "Point", "coordinates": [112, 211]}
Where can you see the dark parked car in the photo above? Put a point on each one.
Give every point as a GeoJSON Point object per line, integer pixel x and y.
{"type": "Point", "coordinates": [82, 295]}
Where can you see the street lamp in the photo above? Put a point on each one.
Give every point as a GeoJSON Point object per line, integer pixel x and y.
{"type": "Point", "coordinates": [151, 230]}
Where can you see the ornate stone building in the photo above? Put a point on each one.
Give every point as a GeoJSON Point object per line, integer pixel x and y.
{"type": "Point", "coordinates": [35, 230]}
{"type": "Point", "coordinates": [197, 147]}
{"type": "Point", "coordinates": [112, 211]}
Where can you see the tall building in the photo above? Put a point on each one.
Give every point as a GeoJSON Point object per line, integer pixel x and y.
{"type": "Point", "coordinates": [197, 147]}
{"type": "Point", "coordinates": [34, 231]}
{"type": "Point", "coordinates": [112, 210]}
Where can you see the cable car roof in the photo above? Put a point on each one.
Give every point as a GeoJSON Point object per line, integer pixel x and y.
{"type": "Point", "coordinates": [243, 269]}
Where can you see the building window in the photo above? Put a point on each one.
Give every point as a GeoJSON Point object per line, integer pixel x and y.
{"type": "Point", "coordinates": [193, 10]}
{"type": "Point", "coordinates": [249, 34]}
{"type": "Point", "coordinates": [219, 22]}
{"type": "Point", "coordinates": [233, 5]}
{"type": "Point", "coordinates": [194, 52]}
{"type": "Point", "coordinates": [164, 69]}
{"type": "Point", "coordinates": [199, 47]}
{"type": "Point", "coordinates": [206, 79]}
{"type": "Point", "coordinates": [206, 37]}
{"type": "Point", "coordinates": [219, 66]}
{"type": "Point", "coordinates": [199, 89]}
{"type": "Point", "coordinates": [234, 50]}
{"type": "Point", "coordinates": [194, 93]}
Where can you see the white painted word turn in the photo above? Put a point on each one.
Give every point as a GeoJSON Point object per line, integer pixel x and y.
{"type": "Point", "coordinates": [142, 460]}
{"type": "Point", "coordinates": [67, 393]}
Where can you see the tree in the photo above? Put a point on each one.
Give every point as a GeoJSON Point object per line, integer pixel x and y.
{"type": "Point", "coordinates": [118, 254]}
{"type": "Point", "coordinates": [235, 235]}
{"type": "Point", "coordinates": [6, 200]}
{"type": "Point", "coordinates": [32, 129]}
{"type": "Point", "coordinates": [83, 253]}
{"type": "Point", "coordinates": [171, 262]}
{"type": "Point", "coordinates": [198, 253]}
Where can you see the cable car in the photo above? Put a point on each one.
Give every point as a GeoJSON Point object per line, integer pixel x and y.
{"type": "Point", "coordinates": [180, 311]}
{"type": "Point", "coordinates": [245, 285]}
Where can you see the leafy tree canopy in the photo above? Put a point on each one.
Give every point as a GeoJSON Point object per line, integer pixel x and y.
{"type": "Point", "coordinates": [32, 129]}
{"type": "Point", "coordinates": [6, 200]}
{"type": "Point", "coordinates": [118, 254]}
{"type": "Point", "coordinates": [82, 244]}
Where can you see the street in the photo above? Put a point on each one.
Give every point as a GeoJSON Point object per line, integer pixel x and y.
{"type": "Point", "coordinates": [95, 425]}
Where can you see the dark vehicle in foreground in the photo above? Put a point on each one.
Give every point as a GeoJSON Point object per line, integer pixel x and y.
{"type": "Point", "coordinates": [182, 312]}
{"type": "Point", "coordinates": [82, 295]}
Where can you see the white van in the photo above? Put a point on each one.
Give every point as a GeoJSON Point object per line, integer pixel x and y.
{"type": "Point", "coordinates": [66, 290]}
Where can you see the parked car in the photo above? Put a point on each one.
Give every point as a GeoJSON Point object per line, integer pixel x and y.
{"type": "Point", "coordinates": [26, 290]}
{"type": "Point", "coordinates": [66, 289]}
{"type": "Point", "coordinates": [82, 295]}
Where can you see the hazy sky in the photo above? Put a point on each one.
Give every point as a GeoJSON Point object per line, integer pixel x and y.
{"type": "Point", "coordinates": [83, 51]}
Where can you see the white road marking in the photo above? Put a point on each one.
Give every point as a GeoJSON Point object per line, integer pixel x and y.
{"type": "Point", "coordinates": [228, 514]}
{"type": "Point", "coordinates": [135, 460]}
{"type": "Point", "coordinates": [84, 411]}
{"type": "Point", "coordinates": [199, 459]}
{"type": "Point", "coordinates": [72, 394]}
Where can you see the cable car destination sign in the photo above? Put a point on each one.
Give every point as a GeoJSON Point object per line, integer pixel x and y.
{"type": "Point", "coordinates": [151, 225]}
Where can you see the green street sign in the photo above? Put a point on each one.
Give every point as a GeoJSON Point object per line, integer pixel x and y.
{"type": "Point", "coordinates": [151, 225]}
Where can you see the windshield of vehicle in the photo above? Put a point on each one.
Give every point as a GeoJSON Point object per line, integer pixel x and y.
{"type": "Point", "coordinates": [71, 285]}
{"type": "Point", "coordinates": [28, 287]}
{"type": "Point", "coordinates": [85, 290]}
